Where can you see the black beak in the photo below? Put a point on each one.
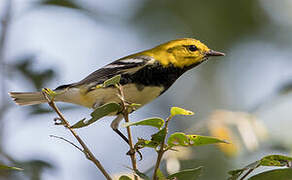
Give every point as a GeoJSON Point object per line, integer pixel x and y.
{"type": "Point", "coordinates": [214, 53]}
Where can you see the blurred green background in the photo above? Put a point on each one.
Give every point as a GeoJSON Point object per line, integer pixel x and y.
{"type": "Point", "coordinates": [245, 96]}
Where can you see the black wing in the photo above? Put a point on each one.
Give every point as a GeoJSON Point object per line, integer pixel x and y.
{"type": "Point", "coordinates": [121, 66]}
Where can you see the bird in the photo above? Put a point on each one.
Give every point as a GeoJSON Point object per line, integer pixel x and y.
{"type": "Point", "coordinates": [144, 76]}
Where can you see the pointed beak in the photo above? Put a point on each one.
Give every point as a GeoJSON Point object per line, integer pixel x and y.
{"type": "Point", "coordinates": [214, 53]}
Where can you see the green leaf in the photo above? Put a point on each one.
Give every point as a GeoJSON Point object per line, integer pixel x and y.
{"type": "Point", "coordinates": [112, 81]}
{"type": "Point", "coordinates": [156, 140]}
{"type": "Point", "coordinates": [181, 139]}
{"type": "Point", "coordinates": [4, 167]}
{"type": "Point", "coordinates": [279, 174]}
{"type": "Point", "coordinates": [124, 178]}
{"type": "Point", "coordinates": [180, 111]}
{"type": "Point", "coordinates": [142, 175]}
{"type": "Point", "coordinates": [154, 122]}
{"type": "Point", "coordinates": [145, 143]}
{"type": "Point", "coordinates": [189, 174]}
{"type": "Point", "coordinates": [159, 136]}
{"type": "Point", "coordinates": [98, 113]}
{"type": "Point", "coordinates": [275, 160]}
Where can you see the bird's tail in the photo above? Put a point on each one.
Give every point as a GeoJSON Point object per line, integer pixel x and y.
{"type": "Point", "coordinates": [27, 98]}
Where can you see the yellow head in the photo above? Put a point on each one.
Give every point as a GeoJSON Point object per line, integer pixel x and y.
{"type": "Point", "coordinates": [181, 52]}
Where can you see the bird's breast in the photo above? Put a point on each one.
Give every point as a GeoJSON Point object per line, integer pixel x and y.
{"type": "Point", "coordinates": [133, 93]}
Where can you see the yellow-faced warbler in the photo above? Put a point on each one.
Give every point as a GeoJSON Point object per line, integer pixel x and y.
{"type": "Point", "coordinates": [144, 76]}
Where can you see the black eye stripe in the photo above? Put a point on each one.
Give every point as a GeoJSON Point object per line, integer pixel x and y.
{"type": "Point", "coordinates": [192, 48]}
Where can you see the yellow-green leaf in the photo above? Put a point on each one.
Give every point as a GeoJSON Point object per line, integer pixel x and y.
{"type": "Point", "coordinates": [189, 174]}
{"type": "Point", "coordinates": [154, 122]}
{"type": "Point", "coordinates": [98, 113]}
{"type": "Point", "coordinates": [4, 167]}
{"type": "Point", "coordinates": [112, 81]}
{"type": "Point", "coordinates": [181, 139]}
{"type": "Point", "coordinates": [180, 111]}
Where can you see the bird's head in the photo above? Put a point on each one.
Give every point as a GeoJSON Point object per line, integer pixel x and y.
{"type": "Point", "coordinates": [181, 53]}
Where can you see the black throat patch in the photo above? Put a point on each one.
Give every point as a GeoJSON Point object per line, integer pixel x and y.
{"type": "Point", "coordinates": [155, 75]}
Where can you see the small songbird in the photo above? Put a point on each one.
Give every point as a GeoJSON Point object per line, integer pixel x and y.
{"type": "Point", "coordinates": [144, 76]}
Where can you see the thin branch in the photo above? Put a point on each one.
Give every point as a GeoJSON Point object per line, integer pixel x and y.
{"type": "Point", "coordinates": [161, 150]}
{"type": "Point", "coordinates": [85, 150]}
{"type": "Point", "coordinates": [66, 140]}
{"type": "Point", "coordinates": [126, 117]}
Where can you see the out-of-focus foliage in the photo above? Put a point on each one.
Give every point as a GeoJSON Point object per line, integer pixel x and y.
{"type": "Point", "coordinates": [190, 174]}
{"type": "Point", "coordinates": [62, 3]}
{"type": "Point", "coordinates": [286, 88]}
{"type": "Point", "coordinates": [220, 21]}
{"type": "Point", "coordinates": [271, 160]}
{"type": "Point", "coordinates": [279, 174]}
{"type": "Point", "coordinates": [38, 78]}
{"type": "Point", "coordinates": [31, 169]}
{"type": "Point", "coordinates": [235, 126]}
{"type": "Point", "coordinates": [34, 168]}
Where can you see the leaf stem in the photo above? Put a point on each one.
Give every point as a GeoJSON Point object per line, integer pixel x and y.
{"type": "Point", "coordinates": [126, 117]}
{"type": "Point", "coordinates": [161, 150]}
{"type": "Point", "coordinates": [89, 155]}
{"type": "Point", "coordinates": [66, 140]}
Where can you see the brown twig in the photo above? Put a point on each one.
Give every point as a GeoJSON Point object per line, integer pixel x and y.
{"type": "Point", "coordinates": [89, 155]}
{"type": "Point", "coordinates": [161, 150]}
{"type": "Point", "coordinates": [66, 140]}
{"type": "Point", "coordinates": [126, 117]}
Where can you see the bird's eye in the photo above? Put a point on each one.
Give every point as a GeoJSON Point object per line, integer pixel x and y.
{"type": "Point", "coordinates": [192, 48]}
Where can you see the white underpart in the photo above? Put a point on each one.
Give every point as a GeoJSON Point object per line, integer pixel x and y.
{"type": "Point", "coordinates": [105, 95]}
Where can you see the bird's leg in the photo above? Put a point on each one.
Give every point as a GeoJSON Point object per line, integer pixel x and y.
{"type": "Point", "coordinates": [115, 125]}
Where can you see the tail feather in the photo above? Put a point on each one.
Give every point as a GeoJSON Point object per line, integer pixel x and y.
{"type": "Point", "coordinates": [27, 98]}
